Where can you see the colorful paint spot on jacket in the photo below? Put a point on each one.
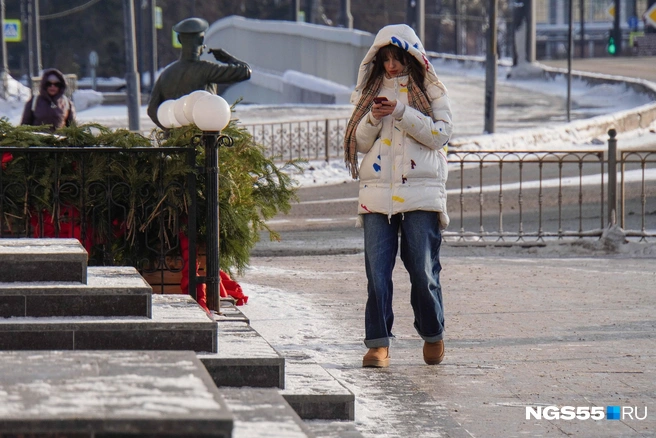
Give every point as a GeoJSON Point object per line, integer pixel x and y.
{"type": "Point", "coordinates": [412, 164]}
{"type": "Point", "coordinates": [403, 179]}
{"type": "Point", "coordinates": [364, 207]}
{"type": "Point", "coordinates": [402, 44]}
{"type": "Point", "coordinates": [386, 141]}
{"type": "Point", "coordinates": [377, 167]}
{"type": "Point", "coordinates": [398, 199]}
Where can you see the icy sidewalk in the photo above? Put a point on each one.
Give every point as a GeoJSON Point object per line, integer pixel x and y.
{"type": "Point", "coordinates": [521, 331]}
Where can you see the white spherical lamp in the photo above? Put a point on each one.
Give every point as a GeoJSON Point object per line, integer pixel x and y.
{"type": "Point", "coordinates": [178, 111]}
{"type": "Point", "coordinates": [164, 113]}
{"type": "Point", "coordinates": [174, 121]}
{"type": "Point", "coordinates": [189, 102]}
{"type": "Point", "coordinates": [211, 113]}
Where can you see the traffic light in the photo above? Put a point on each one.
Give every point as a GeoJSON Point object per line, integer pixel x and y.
{"type": "Point", "coordinates": [610, 47]}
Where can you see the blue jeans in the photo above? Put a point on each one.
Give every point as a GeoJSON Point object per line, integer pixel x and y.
{"type": "Point", "coordinates": [420, 252]}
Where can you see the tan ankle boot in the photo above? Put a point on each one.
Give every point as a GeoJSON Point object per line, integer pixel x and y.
{"type": "Point", "coordinates": [434, 352]}
{"type": "Point", "coordinates": [376, 358]}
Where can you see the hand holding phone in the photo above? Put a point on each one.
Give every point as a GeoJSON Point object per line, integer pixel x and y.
{"type": "Point", "coordinates": [380, 99]}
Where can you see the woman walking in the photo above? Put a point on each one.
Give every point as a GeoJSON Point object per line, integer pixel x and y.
{"type": "Point", "coordinates": [402, 124]}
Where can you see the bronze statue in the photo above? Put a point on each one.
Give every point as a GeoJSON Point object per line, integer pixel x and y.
{"type": "Point", "coordinates": [190, 73]}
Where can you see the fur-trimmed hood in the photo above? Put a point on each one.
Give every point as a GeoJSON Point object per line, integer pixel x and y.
{"type": "Point", "coordinates": [403, 36]}
{"type": "Point", "coordinates": [43, 89]}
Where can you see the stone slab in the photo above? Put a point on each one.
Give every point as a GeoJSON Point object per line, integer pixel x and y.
{"type": "Point", "coordinates": [244, 358]}
{"type": "Point", "coordinates": [263, 412]}
{"type": "Point", "coordinates": [42, 260]}
{"type": "Point", "coordinates": [121, 393]}
{"type": "Point", "coordinates": [178, 323]}
{"type": "Point", "coordinates": [315, 394]}
{"type": "Point", "coordinates": [109, 291]}
{"type": "Point", "coordinates": [334, 429]}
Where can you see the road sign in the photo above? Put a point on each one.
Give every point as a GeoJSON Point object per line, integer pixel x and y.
{"type": "Point", "coordinates": [93, 58]}
{"type": "Point", "coordinates": [159, 21]}
{"type": "Point", "coordinates": [13, 31]}
{"type": "Point", "coordinates": [632, 22]}
{"type": "Point", "coordinates": [610, 10]}
{"type": "Point", "coordinates": [650, 15]}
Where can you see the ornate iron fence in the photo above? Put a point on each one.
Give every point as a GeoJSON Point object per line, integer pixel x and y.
{"type": "Point", "coordinates": [66, 192]}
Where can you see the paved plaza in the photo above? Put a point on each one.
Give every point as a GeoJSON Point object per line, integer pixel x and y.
{"type": "Point", "coordinates": [521, 330]}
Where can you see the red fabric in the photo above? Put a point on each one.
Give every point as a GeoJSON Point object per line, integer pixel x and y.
{"type": "Point", "coordinates": [201, 294]}
{"type": "Point", "coordinates": [230, 287]}
{"type": "Point", "coordinates": [6, 158]}
{"type": "Point", "coordinates": [69, 225]}
{"type": "Point", "coordinates": [227, 286]}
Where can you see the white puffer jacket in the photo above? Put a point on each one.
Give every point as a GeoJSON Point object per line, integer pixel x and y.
{"type": "Point", "coordinates": [405, 164]}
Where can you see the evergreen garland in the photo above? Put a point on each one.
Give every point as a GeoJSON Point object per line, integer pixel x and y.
{"type": "Point", "coordinates": [252, 189]}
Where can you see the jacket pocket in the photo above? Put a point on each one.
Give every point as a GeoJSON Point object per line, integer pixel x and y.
{"type": "Point", "coordinates": [421, 162]}
{"type": "Point", "coordinates": [371, 166]}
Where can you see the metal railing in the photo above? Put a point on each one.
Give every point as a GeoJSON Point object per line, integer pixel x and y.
{"type": "Point", "coordinates": [305, 140]}
{"type": "Point", "coordinates": [494, 196]}
{"type": "Point", "coordinates": [637, 184]}
{"type": "Point", "coordinates": [504, 196]}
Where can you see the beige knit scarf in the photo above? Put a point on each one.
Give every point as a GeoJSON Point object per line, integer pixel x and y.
{"type": "Point", "coordinates": [416, 98]}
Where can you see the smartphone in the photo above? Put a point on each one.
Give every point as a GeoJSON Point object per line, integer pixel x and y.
{"type": "Point", "coordinates": [380, 99]}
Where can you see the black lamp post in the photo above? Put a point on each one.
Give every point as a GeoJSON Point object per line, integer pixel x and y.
{"type": "Point", "coordinates": [211, 114]}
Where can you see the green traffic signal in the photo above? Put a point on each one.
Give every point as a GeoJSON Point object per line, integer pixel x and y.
{"type": "Point", "coordinates": [610, 48]}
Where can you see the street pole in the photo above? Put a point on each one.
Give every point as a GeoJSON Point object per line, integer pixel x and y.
{"type": "Point", "coordinates": [531, 32]}
{"type": "Point", "coordinates": [570, 49]}
{"type": "Point", "coordinates": [345, 17]}
{"type": "Point", "coordinates": [131, 76]}
{"type": "Point", "coordinates": [309, 8]}
{"type": "Point", "coordinates": [32, 69]}
{"type": "Point", "coordinates": [411, 13]}
{"type": "Point", "coordinates": [139, 34]}
{"type": "Point", "coordinates": [152, 42]}
{"type": "Point", "coordinates": [491, 69]}
{"type": "Point", "coordinates": [4, 69]}
{"type": "Point", "coordinates": [456, 27]}
{"type": "Point", "coordinates": [212, 141]}
{"type": "Point", "coordinates": [617, 31]}
{"type": "Point", "coordinates": [212, 268]}
{"type": "Point", "coordinates": [36, 35]}
{"type": "Point", "coordinates": [421, 22]}
{"type": "Point", "coordinates": [612, 178]}
{"type": "Point", "coordinates": [582, 21]}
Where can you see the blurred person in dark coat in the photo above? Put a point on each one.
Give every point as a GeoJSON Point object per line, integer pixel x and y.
{"type": "Point", "coordinates": [51, 106]}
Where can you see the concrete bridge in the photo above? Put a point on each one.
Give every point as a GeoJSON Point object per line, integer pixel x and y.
{"type": "Point", "coordinates": [292, 62]}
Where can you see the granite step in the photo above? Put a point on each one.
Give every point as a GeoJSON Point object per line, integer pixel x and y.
{"type": "Point", "coordinates": [333, 429]}
{"type": "Point", "coordinates": [109, 291]}
{"type": "Point", "coordinates": [315, 394]}
{"type": "Point", "coordinates": [245, 358]}
{"type": "Point", "coordinates": [263, 412]}
{"type": "Point", "coordinates": [30, 260]}
{"type": "Point", "coordinates": [86, 394]}
{"type": "Point", "coordinates": [177, 323]}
